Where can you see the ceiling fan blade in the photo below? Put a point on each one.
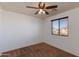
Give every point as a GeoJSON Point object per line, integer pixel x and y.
{"type": "Point", "coordinates": [32, 7]}
{"type": "Point", "coordinates": [39, 5]}
{"type": "Point", "coordinates": [43, 6]}
{"type": "Point", "coordinates": [36, 12]}
{"type": "Point", "coordinates": [46, 12]}
{"type": "Point", "coordinates": [50, 7]}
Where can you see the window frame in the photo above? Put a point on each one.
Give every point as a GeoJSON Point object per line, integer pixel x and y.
{"type": "Point", "coordinates": [59, 26]}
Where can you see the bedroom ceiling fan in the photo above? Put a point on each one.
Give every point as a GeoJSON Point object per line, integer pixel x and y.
{"type": "Point", "coordinates": [42, 8]}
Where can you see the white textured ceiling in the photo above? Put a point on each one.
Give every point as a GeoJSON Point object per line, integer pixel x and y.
{"type": "Point", "coordinates": [20, 7]}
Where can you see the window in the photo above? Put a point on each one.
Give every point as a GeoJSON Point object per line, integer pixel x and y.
{"type": "Point", "coordinates": [60, 26]}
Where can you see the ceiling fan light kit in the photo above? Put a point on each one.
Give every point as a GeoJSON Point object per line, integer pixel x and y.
{"type": "Point", "coordinates": [43, 8]}
{"type": "Point", "coordinates": [41, 11]}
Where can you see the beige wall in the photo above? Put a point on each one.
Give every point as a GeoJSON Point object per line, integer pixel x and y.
{"type": "Point", "coordinates": [18, 30]}
{"type": "Point", "coordinates": [71, 43]}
